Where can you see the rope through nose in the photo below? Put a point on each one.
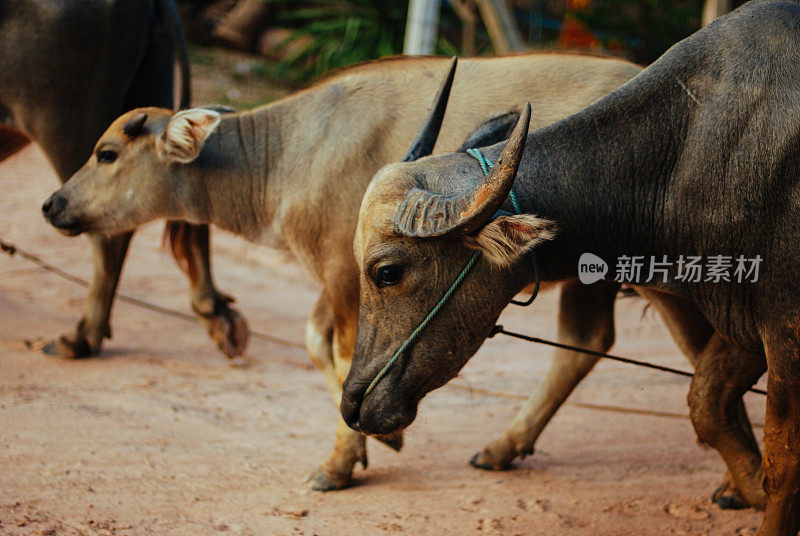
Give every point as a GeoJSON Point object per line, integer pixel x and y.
{"type": "Point", "coordinates": [486, 166]}
{"type": "Point", "coordinates": [411, 338]}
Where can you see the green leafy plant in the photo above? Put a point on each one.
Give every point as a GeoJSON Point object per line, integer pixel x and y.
{"type": "Point", "coordinates": [339, 33]}
{"type": "Point", "coordinates": [343, 32]}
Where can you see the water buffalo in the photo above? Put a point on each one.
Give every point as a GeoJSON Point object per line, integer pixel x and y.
{"type": "Point", "coordinates": [696, 156]}
{"type": "Point", "coordinates": [292, 174]}
{"type": "Point", "coordinates": [67, 69]}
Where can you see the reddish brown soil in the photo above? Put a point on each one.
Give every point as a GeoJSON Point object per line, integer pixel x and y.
{"type": "Point", "coordinates": [161, 435]}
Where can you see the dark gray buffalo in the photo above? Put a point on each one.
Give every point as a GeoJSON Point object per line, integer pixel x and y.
{"type": "Point", "coordinates": [699, 155]}
{"type": "Point", "coordinates": [67, 70]}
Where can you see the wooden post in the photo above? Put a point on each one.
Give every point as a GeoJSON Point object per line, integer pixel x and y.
{"type": "Point", "coordinates": [421, 27]}
{"type": "Point", "coordinates": [714, 9]}
{"type": "Point", "coordinates": [465, 9]}
{"type": "Point", "coordinates": [242, 24]}
{"type": "Point", "coordinates": [500, 24]}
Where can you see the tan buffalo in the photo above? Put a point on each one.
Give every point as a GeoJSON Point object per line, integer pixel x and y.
{"type": "Point", "coordinates": [292, 175]}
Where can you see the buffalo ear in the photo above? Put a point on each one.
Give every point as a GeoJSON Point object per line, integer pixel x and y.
{"type": "Point", "coordinates": [504, 239]}
{"type": "Point", "coordinates": [493, 130]}
{"type": "Point", "coordinates": [185, 134]}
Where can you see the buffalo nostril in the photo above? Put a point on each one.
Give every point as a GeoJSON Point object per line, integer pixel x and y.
{"type": "Point", "coordinates": [54, 205]}
{"type": "Point", "coordinates": [350, 412]}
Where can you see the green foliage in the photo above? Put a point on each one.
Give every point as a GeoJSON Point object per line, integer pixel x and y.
{"type": "Point", "coordinates": [343, 32]}
{"type": "Point", "coordinates": [339, 33]}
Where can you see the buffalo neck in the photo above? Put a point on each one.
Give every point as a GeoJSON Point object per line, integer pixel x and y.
{"type": "Point", "coordinates": [227, 183]}
{"type": "Point", "coordinates": [269, 174]}
{"type": "Point", "coordinates": [603, 176]}
{"type": "Point", "coordinates": [696, 156]}
{"type": "Point", "coordinates": [607, 175]}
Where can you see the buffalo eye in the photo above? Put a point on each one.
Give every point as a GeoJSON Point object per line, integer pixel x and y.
{"type": "Point", "coordinates": [388, 275]}
{"type": "Point", "coordinates": [106, 156]}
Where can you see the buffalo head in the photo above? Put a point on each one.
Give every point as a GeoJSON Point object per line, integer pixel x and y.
{"type": "Point", "coordinates": [134, 174]}
{"type": "Point", "coordinates": [420, 222]}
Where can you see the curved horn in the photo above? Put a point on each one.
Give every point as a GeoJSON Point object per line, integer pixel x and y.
{"type": "Point", "coordinates": [424, 214]}
{"type": "Point", "coordinates": [426, 139]}
{"type": "Point", "coordinates": [133, 127]}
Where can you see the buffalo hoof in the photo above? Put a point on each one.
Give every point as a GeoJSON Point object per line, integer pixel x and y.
{"type": "Point", "coordinates": [482, 461]}
{"type": "Point", "coordinates": [727, 497]}
{"type": "Point", "coordinates": [70, 348]}
{"type": "Point", "coordinates": [319, 481]}
{"type": "Point", "coordinates": [230, 331]}
{"type": "Point", "coordinates": [393, 441]}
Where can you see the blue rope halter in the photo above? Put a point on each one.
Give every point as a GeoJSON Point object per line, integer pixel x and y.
{"type": "Point", "coordinates": [486, 166]}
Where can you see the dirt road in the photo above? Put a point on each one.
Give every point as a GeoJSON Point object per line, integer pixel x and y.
{"type": "Point", "coordinates": [163, 436]}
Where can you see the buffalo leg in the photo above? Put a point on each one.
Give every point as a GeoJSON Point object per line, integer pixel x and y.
{"type": "Point", "coordinates": [691, 332]}
{"type": "Point", "coordinates": [782, 439]}
{"type": "Point", "coordinates": [350, 446]}
{"type": "Point", "coordinates": [319, 342]}
{"type": "Point", "coordinates": [67, 130]}
{"type": "Point", "coordinates": [586, 319]}
{"type": "Point", "coordinates": [108, 254]}
{"type": "Point", "coordinates": [689, 328]}
{"type": "Point", "coordinates": [330, 337]}
{"type": "Point", "coordinates": [723, 374]}
{"type": "Point", "coordinates": [226, 326]}
{"type": "Point", "coordinates": [336, 471]}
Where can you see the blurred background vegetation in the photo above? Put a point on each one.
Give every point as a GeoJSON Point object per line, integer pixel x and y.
{"type": "Point", "coordinates": [297, 41]}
